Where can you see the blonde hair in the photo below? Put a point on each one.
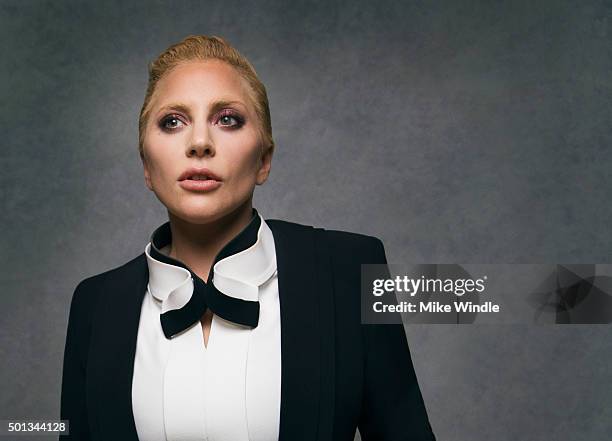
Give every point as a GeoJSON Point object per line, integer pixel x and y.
{"type": "Point", "coordinates": [203, 47]}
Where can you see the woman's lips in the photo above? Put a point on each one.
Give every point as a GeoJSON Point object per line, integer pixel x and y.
{"type": "Point", "coordinates": [199, 172]}
{"type": "Point", "coordinates": [199, 185]}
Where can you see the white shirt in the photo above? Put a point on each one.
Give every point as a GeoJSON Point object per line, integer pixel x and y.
{"type": "Point", "coordinates": [228, 390]}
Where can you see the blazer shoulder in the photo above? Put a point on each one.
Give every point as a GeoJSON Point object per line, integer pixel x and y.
{"type": "Point", "coordinates": [350, 246]}
{"type": "Point", "coordinates": [345, 245]}
{"type": "Point", "coordinates": [287, 227]}
{"type": "Point", "coordinates": [88, 288]}
{"type": "Point", "coordinates": [352, 239]}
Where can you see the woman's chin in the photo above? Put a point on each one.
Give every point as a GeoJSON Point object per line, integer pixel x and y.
{"type": "Point", "coordinates": [199, 213]}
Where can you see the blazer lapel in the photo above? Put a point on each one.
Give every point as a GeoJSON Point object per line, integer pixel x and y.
{"type": "Point", "coordinates": [111, 360]}
{"type": "Point", "coordinates": [307, 333]}
{"type": "Point", "coordinates": [327, 337]}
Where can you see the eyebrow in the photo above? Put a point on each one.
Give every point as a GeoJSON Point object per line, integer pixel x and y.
{"type": "Point", "coordinates": [215, 107]}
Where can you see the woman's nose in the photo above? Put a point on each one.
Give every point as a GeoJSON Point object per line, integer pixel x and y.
{"type": "Point", "coordinates": [201, 142]}
{"type": "Point", "coordinates": [201, 150]}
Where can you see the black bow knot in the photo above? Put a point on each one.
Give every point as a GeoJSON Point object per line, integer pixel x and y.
{"type": "Point", "coordinates": [205, 295]}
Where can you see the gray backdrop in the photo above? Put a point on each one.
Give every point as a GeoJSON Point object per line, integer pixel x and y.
{"type": "Point", "coordinates": [456, 131]}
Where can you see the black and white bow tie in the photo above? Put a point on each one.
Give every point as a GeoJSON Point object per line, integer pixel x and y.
{"type": "Point", "coordinates": [205, 294]}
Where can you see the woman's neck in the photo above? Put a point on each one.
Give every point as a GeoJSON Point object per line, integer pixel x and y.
{"type": "Point", "coordinates": [197, 245]}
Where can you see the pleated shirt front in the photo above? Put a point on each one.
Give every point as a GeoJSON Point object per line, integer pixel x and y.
{"type": "Point", "coordinates": [228, 390]}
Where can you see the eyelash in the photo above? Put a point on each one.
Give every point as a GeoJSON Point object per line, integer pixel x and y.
{"type": "Point", "coordinates": [224, 113]}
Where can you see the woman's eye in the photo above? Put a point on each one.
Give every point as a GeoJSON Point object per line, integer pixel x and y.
{"type": "Point", "coordinates": [229, 119]}
{"type": "Point", "coordinates": [170, 123]}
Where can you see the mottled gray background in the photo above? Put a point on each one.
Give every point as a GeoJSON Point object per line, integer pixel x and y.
{"type": "Point", "coordinates": [457, 131]}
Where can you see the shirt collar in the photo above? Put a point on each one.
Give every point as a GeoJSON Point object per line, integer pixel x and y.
{"type": "Point", "coordinates": [240, 267]}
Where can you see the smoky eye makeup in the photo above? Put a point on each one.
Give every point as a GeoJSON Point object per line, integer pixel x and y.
{"type": "Point", "coordinates": [228, 118]}
{"type": "Point", "coordinates": [170, 122]}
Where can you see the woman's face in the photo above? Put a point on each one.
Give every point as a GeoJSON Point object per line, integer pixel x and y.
{"type": "Point", "coordinates": [201, 116]}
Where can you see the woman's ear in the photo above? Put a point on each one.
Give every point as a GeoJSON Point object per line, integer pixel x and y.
{"type": "Point", "coordinates": [266, 163]}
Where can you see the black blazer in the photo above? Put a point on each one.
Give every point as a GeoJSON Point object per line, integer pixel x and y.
{"type": "Point", "coordinates": [337, 374]}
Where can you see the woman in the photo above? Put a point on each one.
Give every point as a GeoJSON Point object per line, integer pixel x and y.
{"type": "Point", "coordinates": [229, 326]}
